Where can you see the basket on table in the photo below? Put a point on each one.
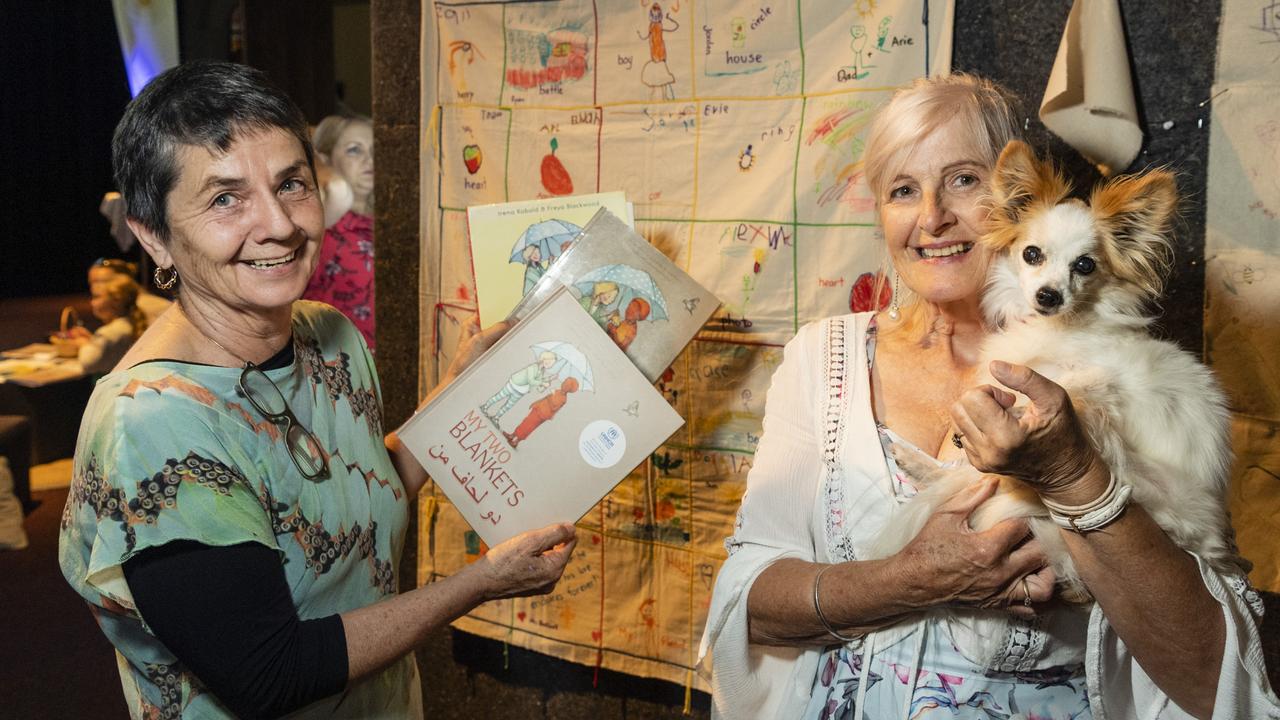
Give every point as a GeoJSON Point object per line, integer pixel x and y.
{"type": "Point", "coordinates": [62, 341]}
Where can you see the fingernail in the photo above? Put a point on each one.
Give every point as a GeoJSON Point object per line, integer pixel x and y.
{"type": "Point", "coordinates": [999, 366]}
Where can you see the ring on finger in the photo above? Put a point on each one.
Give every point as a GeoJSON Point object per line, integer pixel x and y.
{"type": "Point", "coordinates": [1026, 592]}
{"type": "Point", "coordinates": [957, 440]}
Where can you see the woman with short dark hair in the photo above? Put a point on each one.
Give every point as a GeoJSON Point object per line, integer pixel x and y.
{"type": "Point", "coordinates": [236, 514]}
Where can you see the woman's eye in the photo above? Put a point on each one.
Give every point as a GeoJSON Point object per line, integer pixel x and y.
{"type": "Point", "coordinates": [1031, 255]}
{"type": "Point", "coordinates": [900, 192]}
{"type": "Point", "coordinates": [967, 180]}
{"type": "Point", "coordinates": [223, 200]}
{"type": "Point", "coordinates": [1084, 265]}
{"type": "Point", "coordinates": [355, 150]}
{"type": "Point", "coordinates": [293, 185]}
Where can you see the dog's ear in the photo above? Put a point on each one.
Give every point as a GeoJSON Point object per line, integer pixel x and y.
{"type": "Point", "coordinates": [1136, 213]}
{"type": "Point", "coordinates": [1019, 182]}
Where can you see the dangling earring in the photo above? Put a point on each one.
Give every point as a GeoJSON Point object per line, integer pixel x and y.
{"type": "Point", "coordinates": [894, 313]}
{"type": "Point", "coordinates": [163, 282]}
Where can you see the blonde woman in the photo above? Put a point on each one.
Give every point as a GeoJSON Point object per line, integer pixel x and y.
{"type": "Point", "coordinates": [343, 276]}
{"type": "Point", "coordinates": [803, 624]}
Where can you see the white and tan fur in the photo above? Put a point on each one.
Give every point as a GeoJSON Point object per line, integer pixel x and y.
{"type": "Point", "coordinates": [1153, 411]}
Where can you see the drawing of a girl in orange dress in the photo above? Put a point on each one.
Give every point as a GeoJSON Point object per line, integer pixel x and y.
{"type": "Point", "coordinates": [541, 411]}
{"type": "Point", "coordinates": [655, 73]}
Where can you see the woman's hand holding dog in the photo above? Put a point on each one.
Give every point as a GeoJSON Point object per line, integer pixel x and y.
{"type": "Point", "coordinates": [1042, 444]}
{"type": "Point", "coordinates": [956, 565]}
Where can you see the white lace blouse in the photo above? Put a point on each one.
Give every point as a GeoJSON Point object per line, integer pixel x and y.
{"type": "Point", "coordinates": [820, 491]}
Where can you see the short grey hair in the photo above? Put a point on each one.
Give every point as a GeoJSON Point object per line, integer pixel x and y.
{"type": "Point", "coordinates": [202, 103]}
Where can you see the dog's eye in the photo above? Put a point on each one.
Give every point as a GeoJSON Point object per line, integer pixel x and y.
{"type": "Point", "coordinates": [1032, 255]}
{"type": "Point", "coordinates": [1084, 265]}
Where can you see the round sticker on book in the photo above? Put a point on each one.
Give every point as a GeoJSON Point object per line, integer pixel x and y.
{"type": "Point", "coordinates": [602, 444]}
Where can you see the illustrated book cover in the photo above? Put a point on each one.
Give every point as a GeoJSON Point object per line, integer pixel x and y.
{"type": "Point", "coordinates": [645, 303]}
{"type": "Point", "coordinates": [541, 426]}
{"type": "Point", "coordinates": [513, 244]}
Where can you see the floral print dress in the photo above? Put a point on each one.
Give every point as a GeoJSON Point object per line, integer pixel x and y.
{"type": "Point", "coordinates": [169, 450]}
{"type": "Point", "coordinates": [344, 272]}
{"type": "Point", "coordinates": [924, 676]}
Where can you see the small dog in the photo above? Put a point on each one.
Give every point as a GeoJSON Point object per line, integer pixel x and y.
{"type": "Point", "coordinates": [1069, 292]}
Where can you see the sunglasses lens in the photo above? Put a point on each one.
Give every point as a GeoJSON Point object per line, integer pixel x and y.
{"type": "Point", "coordinates": [306, 451]}
{"type": "Point", "coordinates": [262, 392]}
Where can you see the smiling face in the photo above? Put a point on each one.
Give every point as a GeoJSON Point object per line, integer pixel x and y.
{"type": "Point", "coordinates": [932, 215]}
{"type": "Point", "coordinates": [353, 157]}
{"type": "Point", "coordinates": [245, 226]}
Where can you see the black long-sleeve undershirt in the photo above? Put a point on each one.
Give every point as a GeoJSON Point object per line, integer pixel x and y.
{"type": "Point", "coordinates": [227, 614]}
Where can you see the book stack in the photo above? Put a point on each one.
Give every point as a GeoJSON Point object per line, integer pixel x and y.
{"type": "Point", "coordinates": [560, 409]}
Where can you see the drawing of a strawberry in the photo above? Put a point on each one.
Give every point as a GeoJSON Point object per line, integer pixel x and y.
{"type": "Point", "coordinates": [555, 179]}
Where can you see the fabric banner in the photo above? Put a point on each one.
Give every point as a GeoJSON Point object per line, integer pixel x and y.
{"type": "Point", "coordinates": [737, 130]}
{"type": "Point", "coordinates": [1242, 270]}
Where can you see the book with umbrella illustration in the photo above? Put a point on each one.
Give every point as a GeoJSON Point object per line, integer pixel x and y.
{"type": "Point", "coordinates": [539, 246]}
{"type": "Point", "coordinates": [649, 307]}
{"type": "Point", "coordinates": [619, 298]}
{"type": "Point", "coordinates": [513, 244]}
{"type": "Point", "coordinates": [541, 426]}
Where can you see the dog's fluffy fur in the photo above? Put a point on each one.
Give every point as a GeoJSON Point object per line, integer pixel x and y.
{"type": "Point", "coordinates": [1153, 411]}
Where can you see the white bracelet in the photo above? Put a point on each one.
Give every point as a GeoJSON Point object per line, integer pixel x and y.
{"type": "Point", "coordinates": [1099, 513]}
{"type": "Point", "coordinates": [1094, 504]}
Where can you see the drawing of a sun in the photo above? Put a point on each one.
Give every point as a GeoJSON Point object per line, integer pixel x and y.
{"type": "Point", "coordinates": [865, 7]}
{"type": "Point", "coordinates": [746, 159]}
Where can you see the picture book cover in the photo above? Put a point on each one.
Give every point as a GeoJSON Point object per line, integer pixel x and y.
{"type": "Point", "coordinates": [645, 303]}
{"type": "Point", "coordinates": [513, 244]}
{"type": "Point", "coordinates": [541, 426]}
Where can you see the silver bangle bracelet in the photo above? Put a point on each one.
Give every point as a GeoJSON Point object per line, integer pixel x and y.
{"type": "Point", "coordinates": [817, 607]}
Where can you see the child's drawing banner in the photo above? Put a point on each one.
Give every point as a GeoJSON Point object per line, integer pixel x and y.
{"type": "Point", "coordinates": [1242, 266]}
{"type": "Point", "coordinates": [737, 130]}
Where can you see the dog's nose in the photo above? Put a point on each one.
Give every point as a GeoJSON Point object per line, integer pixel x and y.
{"type": "Point", "coordinates": [1048, 297]}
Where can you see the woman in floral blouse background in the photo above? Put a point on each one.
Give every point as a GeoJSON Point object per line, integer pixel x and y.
{"type": "Point", "coordinates": [344, 274]}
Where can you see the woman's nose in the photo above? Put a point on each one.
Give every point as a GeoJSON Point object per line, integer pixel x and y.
{"type": "Point", "coordinates": [935, 216]}
{"type": "Point", "coordinates": [275, 220]}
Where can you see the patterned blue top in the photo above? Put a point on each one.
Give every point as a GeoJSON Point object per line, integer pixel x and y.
{"type": "Point", "coordinates": [169, 450]}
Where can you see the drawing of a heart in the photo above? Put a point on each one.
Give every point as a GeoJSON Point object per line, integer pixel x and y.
{"type": "Point", "coordinates": [521, 615]}
{"type": "Point", "coordinates": [595, 635]}
{"type": "Point", "coordinates": [471, 157]}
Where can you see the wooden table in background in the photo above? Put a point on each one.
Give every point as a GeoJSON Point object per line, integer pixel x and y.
{"type": "Point", "coordinates": [52, 392]}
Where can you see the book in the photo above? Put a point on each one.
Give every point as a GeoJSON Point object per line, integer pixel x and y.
{"type": "Point", "coordinates": [648, 305]}
{"type": "Point", "coordinates": [513, 244]}
{"type": "Point", "coordinates": [541, 426]}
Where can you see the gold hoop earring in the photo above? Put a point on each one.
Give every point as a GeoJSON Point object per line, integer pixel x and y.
{"type": "Point", "coordinates": [894, 313]}
{"type": "Point", "coordinates": [162, 282]}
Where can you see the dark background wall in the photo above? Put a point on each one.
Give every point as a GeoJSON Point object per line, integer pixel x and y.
{"type": "Point", "coordinates": [63, 89]}
{"type": "Point", "coordinates": [1173, 47]}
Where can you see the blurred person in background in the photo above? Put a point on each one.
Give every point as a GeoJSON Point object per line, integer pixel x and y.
{"type": "Point", "coordinates": [104, 269]}
{"type": "Point", "coordinates": [343, 276]}
{"type": "Point", "coordinates": [115, 305]}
